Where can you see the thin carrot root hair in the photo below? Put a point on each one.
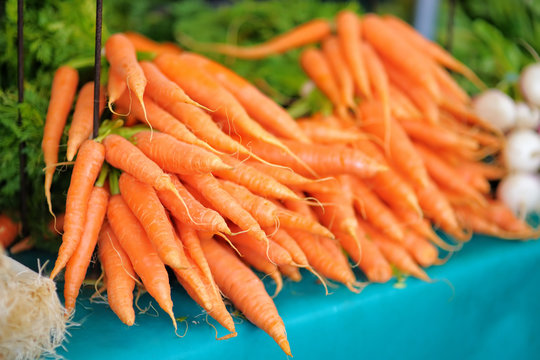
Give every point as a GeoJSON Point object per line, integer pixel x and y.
{"type": "Point", "coordinates": [98, 291]}
{"type": "Point", "coordinates": [356, 286]}
{"type": "Point", "coordinates": [224, 337]}
{"type": "Point", "coordinates": [144, 311]}
{"type": "Point", "coordinates": [109, 105]}
{"type": "Point", "coordinates": [224, 237]}
{"type": "Point", "coordinates": [57, 164]}
{"type": "Point", "coordinates": [182, 320]}
{"type": "Point", "coordinates": [321, 278]}
{"type": "Point", "coordinates": [445, 259]}
{"type": "Point", "coordinates": [122, 264]}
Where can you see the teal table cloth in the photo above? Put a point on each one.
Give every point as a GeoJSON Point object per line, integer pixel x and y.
{"type": "Point", "coordinates": [484, 303]}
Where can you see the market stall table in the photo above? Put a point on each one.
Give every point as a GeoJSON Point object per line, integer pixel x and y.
{"type": "Point", "coordinates": [482, 304]}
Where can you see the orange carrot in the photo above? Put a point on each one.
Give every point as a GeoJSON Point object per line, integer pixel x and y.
{"type": "Point", "coordinates": [123, 155]}
{"type": "Point", "coordinates": [119, 273]}
{"type": "Point", "coordinates": [437, 136]}
{"type": "Point", "coordinates": [401, 105]}
{"type": "Point", "coordinates": [432, 49]}
{"type": "Point", "coordinates": [141, 253]}
{"type": "Point", "coordinates": [142, 43]}
{"type": "Point", "coordinates": [260, 107]}
{"type": "Point", "coordinates": [291, 272]}
{"type": "Point", "coordinates": [145, 205]}
{"type": "Point", "coordinates": [246, 291]}
{"type": "Point", "coordinates": [399, 53]}
{"type": "Point", "coordinates": [116, 85]}
{"type": "Point", "coordinates": [349, 36]}
{"type": "Point", "coordinates": [333, 54]}
{"type": "Point", "coordinates": [191, 212]}
{"type": "Point", "coordinates": [423, 252]}
{"type": "Point", "coordinates": [122, 56]}
{"type": "Point", "coordinates": [304, 34]}
{"type": "Point", "coordinates": [85, 172]}
{"type": "Point", "coordinates": [78, 263]}
{"type": "Point", "coordinates": [63, 91]}
{"type": "Point", "coordinates": [221, 200]}
{"type": "Point", "coordinates": [9, 230]}
{"type": "Point", "coordinates": [449, 86]}
{"type": "Point", "coordinates": [82, 124]}
{"type": "Point", "coordinates": [163, 149]}
{"type": "Point", "coordinates": [322, 133]}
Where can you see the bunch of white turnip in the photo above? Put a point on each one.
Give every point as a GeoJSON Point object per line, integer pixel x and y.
{"type": "Point", "coordinates": [520, 121]}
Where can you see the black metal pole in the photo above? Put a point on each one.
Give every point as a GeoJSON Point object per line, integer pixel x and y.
{"type": "Point", "coordinates": [97, 66]}
{"type": "Point", "coordinates": [20, 85]}
{"type": "Point", "coordinates": [450, 25]}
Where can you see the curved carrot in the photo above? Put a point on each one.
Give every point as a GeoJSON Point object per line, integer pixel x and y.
{"type": "Point", "coordinates": [332, 52]}
{"type": "Point", "coordinates": [437, 136]}
{"type": "Point", "coordinates": [63, 91]}
{"type": "Point", "coordinates": [142, 43]}
{"type": "Point", "coordinates": [78, 263]}
{"type": "Point", "coordinates": [119, 273]}
{"type": "Point", "coordinates": [85, 172]}
{"type": "Point", "coordinates": [145, 205]}
{"type": "Point", "coordinates": [122, 56]}
{"type": "Point", "coordinates": [163, 149]}
{"type": "Point", "coordinates": [349, 36]}
{"type": "Point", "coordinates": [191, 212]}
{"type": "Point", "coordinates": [304, 34]}
{"type": "Point", "coordinates": [423, 252]}
{"type": "Point", "coordinates": [123, 155]}
{"type": "Point", "coordinates": [82, 124]}
{"type": "Point", "coordinates": [246, 291]}
{"type": "Point", "coordinates": [141, 253]}
{"type": "Point", "coordinates": [260, 107]}
{"type": "Point", "coordinates": [116, 86]}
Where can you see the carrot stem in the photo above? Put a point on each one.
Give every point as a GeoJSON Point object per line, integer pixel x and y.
{"type": "Point", "coordinates": [100, 182]}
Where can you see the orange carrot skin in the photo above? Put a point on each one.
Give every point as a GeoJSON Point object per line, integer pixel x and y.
{"type": "Point", "coordinates": [123, 155]}
{"type": "Point", "coordinates": [246, 291]}
{"type": "Point", "coordinates": [423, 252]}
{"type": "Point", "coordinates": [260, 107]}
{"type": "Point", "coordinates": [163, 149]}
{"type": "Point", "coordinates": [82, 122]}
{"type": "Point", "coordinates": [116, 85]}
{"type": "Point", "coordinates": [349, 36]}
{"type": "Point", "coordinates": [8, 231]}
{"type": "Point", "coordinates": [317, 68]}
{"type": "Point", "coordinates": [145, 205]}
{"type": "Point", "coordinates": [63, 91]}
{"type": "Point", "coordinates": [334, 55]}
{"type": "Point", "coordinates": [85, 172]}
{"type": "Point", "coordinates": [143, 256]}
{"type": "Point", "coordinates": [142, 43]}
{"type": "Point", "coordinates": [119, 273]}
{"type": "Point", "coordinates": [304, 34]}
{"type": "Point", "coordinates": [78, 263]}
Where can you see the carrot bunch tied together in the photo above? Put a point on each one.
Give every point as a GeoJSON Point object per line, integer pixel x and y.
{"type": "Point", "coordinates": [213, 179]}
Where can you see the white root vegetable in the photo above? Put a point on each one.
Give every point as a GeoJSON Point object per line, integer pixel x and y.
{"type": "Point", "coordinates": [529, 82]}
{"type": "Point", "coordinates": [522, 151]}
{"type": "Point", "coordinates": [527, 117]}
{"type": "Point", "coordinates": [32, 321]}
{"type": "Point", "coordinates": [495, 107]}
{"type": "Point", "coordinates": [520, 192]}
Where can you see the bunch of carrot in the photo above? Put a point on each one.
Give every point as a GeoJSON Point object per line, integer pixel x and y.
{"type": "Point", "coordinates": [213, 178]}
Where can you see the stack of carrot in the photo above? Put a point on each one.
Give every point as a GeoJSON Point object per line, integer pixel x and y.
{"type": "Point", "coordinates": [213, 178]}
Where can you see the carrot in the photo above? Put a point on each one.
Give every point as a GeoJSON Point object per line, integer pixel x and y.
{"type": "Point", "coordinates": [375, 211]}
{"type": "Point", "coordinates": [274, 252]}
{"type": "Point", "coordinates": [142, 43]}
{"type": "Point", "coordinates": [349, 36]}
{"type": "Point", "coordinates": [318, 69]}
{"type": "Point", "coordinates": [78, 263]}
{"type": "Point", "coordinates": [447, 177]}
{"type": "Point", "coordinates": [85, 172]}
{"type": "Point", "coordinates": [123, 155]}
{"type": "Point", "coordinates": [333, 54]}
{"type": "Point", "coordinates": [291, 272]}
{"type": "Point", "coordinates": [304, 34]}
{"type": "Point", "coordinates": [191, 212]}
{"type": "Point", "coordinates": [213, 192]}
{"type": "Point", "coordinates": [163, 149]}
{"type": "Point", "coordinates": [145, 205]}
{"type": "Point", "coordinates": [160, 87]}
{"type": "Point", "coordinates": [423, 252]}
{"type": "Point", "coordinates": [283, 239]}
{"type": "Point", "coordinates": [432, 49]}
{"type": "Point", "coordinates": [283, 176]}
{"type": "Point", "coordinates": [257, 181]}
{"type": "Point", "coordinates": [120, 275]}
{"type": "Point", "coordinates": [122, 56]}
{"type": "Point", "coordinates": [401, 105]}
{"type": "Point", "coordinates": [141, 253]}
{"type": "Point", "coordinates": [399, 53]}
{"type": "Point", "coordinates": [116, 86]}
{"type": "Point", "coordinates": [246, 291]}
{"type": "Point", "coordinates": [63, 91]}
{"type": "Point", "coordinates": [161, 120]}
{"type": "Point", "coordinates": [325, 160]}
{"type": "Point", "coordinates": [322, 133]}
{"type": "Point", "coordinates": [260, 107]}
{"type": "Point", "coordinates": [201, 87]}
{"type": "Point", "coordinates": [81, 124]}
{"type": "Point", "coordinates": [449, 86]}
{"type": "Point", "coordinates": [9, 230]}
{"type": "Point", "coordinates": [437, 136]}
{"type": "Point", "coordinates": [401, 150]}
